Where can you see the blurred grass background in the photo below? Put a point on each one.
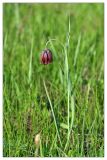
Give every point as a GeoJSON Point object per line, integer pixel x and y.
{"type": "Point", "coordinates": [27, 111]}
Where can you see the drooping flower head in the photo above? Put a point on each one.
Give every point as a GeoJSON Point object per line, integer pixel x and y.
{"type": "Point", "coordinates": [46, 57]}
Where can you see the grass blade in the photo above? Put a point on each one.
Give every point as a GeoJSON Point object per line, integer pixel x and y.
{"type": "Point", "coordinates": [77, 50]}
{"type": "Point", "coordinates": [30, 65]}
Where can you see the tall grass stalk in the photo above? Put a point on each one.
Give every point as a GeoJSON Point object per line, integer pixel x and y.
{"type": "Point", "coordinates": [68, 82]}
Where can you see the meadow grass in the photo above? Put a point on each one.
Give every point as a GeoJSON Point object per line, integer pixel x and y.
{"type": "Point", "coordinates": [63, 102]}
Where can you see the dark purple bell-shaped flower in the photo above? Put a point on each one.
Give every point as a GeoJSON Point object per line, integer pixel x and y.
{"type": "Point", "coordinates": [46, 56]}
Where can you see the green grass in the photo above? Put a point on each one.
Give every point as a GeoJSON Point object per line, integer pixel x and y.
{"type": "Point", "coordinates": [63, 101]}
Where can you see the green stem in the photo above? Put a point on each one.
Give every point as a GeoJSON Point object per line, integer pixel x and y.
{"type": "Point", "coordinates": [52, 112]}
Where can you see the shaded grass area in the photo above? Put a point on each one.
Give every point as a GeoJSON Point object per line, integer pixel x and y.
{"type": "Point", "coordinates": [64, 101]}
